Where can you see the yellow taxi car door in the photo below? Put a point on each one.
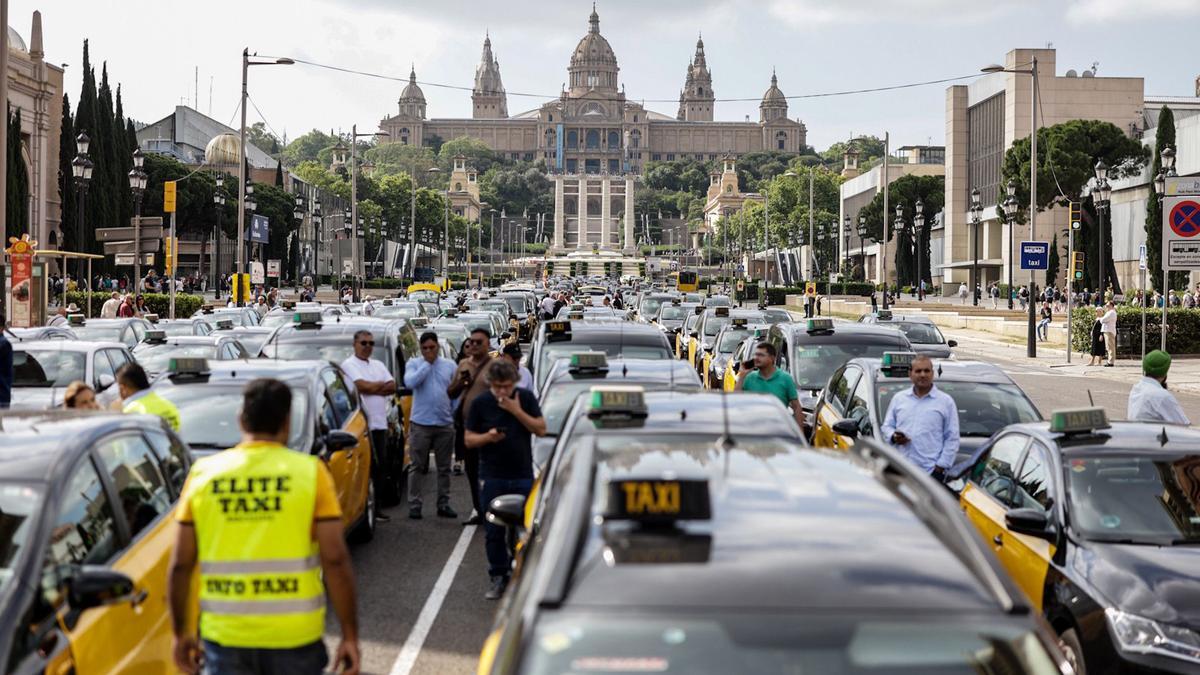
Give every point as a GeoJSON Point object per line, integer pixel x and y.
{"type": "Point", "coordinates": [341, 412]}
{"type": "Point", "coordinates": [832, 407]}
{"type": "Point", "coordinates": [1029, 555]}
{"type": "Point", "coordinates": [858, 408]}
{"type": "Point", "coordinates": [990, 492]}
{"type": "Point", "coordinates": [133, 635]}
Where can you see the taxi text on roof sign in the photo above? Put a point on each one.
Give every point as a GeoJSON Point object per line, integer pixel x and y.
{"type": "Point", "coordinates": [660, 501]}
{"type": "Point", "coordinates": [820, 325]}
{"type": "Point", "coordinates": [155, 336]}
{"type": "Point", "coordinates": [187, 365]}
{"type": "Point", "coordinates": [721, 311]}
{"type": "Point", "coordinates": [897, 362]}
{"type": "Point", "coordinates": [307, 318]}
{"type": "Point", "coordinates": [225, 324]}
{"type": "Point", "coordinates": [75, 319]}
{"type": "Point", "coordinates": [884, 315]}
{"type": "Point", "coordinates": [152, 318]}
{"type": "Point", "coordinates": [1078, 420]}
{"type": "Point", "coordinates": [740, 322]}
{"type": "Point", "coordinates": [617, 400]}
{"type": "Point", "coordinates": [589, 361]}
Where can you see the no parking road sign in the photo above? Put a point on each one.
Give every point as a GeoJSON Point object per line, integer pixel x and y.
{"type": "Point", "coordinates": [1181, 233]}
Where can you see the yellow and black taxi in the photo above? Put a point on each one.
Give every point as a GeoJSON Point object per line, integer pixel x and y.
{"type": "Point", "coordinates": [656, 551]}
{"type": "Point", "coordinates": [672, 315]}
{"type": "Point", "coordinates": [856, 399]}
{"type": "Point", "coordinates": [921, 332]}
{"type": "Point", "coordinates": [649, 304]}
{"type": "Point", "coordinates": [43, 370]}
{"type": "Point", "coordinates": [128, 331]}
{"type": "Point", "coordinates": [578, 373]}
{"type": "Point", "coordinates": [157, 349]}
{"type": "Point", "coordinates": [326, 420]}
{"type": "Point", "coordinates": [811, 350]}
{"type": "Point", "coordinates": [702, 338]}
{"type": "Point", "coordinates": [1099, 524]}
{"type": "Point", "coordinates": [741, 354]}
{"type": "Point", "coordinates": [718, 359]}
{"type": "Point", "coordinates": [523, 306]}
{"type": "Point", "coordinates": [182, 327]}
{"type": "Point", "coordinates": [332, 339]}
{"type": "Point", "coordinates": [85, 541]}
{"type": "Point", "coordinates": [688, 327]}
{"type": "Point", "coordinates": [556, 340]}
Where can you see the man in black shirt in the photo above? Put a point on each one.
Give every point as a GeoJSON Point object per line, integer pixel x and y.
{"type": "Point", "coordinates": [500, 423]}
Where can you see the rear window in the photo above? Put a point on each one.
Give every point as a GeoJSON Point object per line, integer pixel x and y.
{"type": "Point", "coordinates": [47, 368]}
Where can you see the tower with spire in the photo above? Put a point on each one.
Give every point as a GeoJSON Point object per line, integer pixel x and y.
{"type": "Point", "coordinates": [696, 99]}
{"type": "Point", "coordinates": [412, 99]}
{"type": "Point", "coordinates": [488, 98]}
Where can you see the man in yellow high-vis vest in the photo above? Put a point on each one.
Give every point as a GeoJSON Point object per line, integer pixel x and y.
{"type": "Point", "coordinates": [263, 523]}
{"type": "Point", "coordinates": [136, 397]}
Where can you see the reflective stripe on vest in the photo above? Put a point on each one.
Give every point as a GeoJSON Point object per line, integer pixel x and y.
{"type": "Point", "coordinates": [260, 575]}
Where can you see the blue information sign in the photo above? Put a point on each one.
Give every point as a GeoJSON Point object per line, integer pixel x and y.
{"type": "Point", "coordinates": [1035, 255]}
{"type": "Point", "coordinates": [259, 230]}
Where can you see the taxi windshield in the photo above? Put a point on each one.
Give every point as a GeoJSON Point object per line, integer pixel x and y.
{"type": "Point", "coordinates": [650, 306]}
{"type": "Point", "coordinates": [208, 416]}
{"type": "Point", "coordinates": [516, 304]}
{"type": "Point", "coordinates": [554, 351]}
{"type": "Point", "coordinates": [322, 351]}
{"type": "Point", "coordinates": [730, 339]}
{"type": "Point", "coordinates": [983, 408]}
{"type": "Point", "coordinates": [47, 368]}
{"type": "Point", "coordinates": [918, 333]}
{"type": "Point", "coordinates": [771, 642]}
{"type": "Point", "coordinates": [774, 316]}
{"type": "Point", "coordinates": [814, 363]}
{"type": "Point", "coordinates": [253, 342]}
{"type": "Point", "coordinates": [238, 318]}
{"type": "Point", "coordinates": [99, 333]}
{"type": "Point", "coordinates": [714, 324]}
{"type": "Point", "coordinates": [19, 504]}
{"type": "Point", "coordinates": [398, 311]}
{"type": "Point", "coordinates": [156, 358]}
{"type": "Point", "coordinates": [1134, 500]}
{"type": "Point", "coordinates": [176, 329]}
{"type": "Point", "coordinates": [277, 319]}
{"type": "Point", "coordinates": [672, 313]}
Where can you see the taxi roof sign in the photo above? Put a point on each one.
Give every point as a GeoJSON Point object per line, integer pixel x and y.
{"type": "Point", "coordinates": [75, 319]}
{"type": "Point", "coordinates": [884, 315]}
{"type": "Point", "coordinates": [155, 336]}
{"type": "Point", "coordinates": [896, 362]}
{"type": "Point", "coordinates": [657, 501]}
{"type": "Point", "coordinates": [450, 311]}
{"type": "Point", "coordinates": [187, 366]}
{"type": "Point", "coordinates": [581, 361]}
{"type": "Point", "coordinates": [152, 318]}
{"type": "Point", "coordinates": [418, 322]}
{"type": "Point", "coordinates": [617, 400]}
{"type": "Point", "coordinates": [307, 318]}
{"type": "Point", "coordinates": [1078, 420]}
{"type": "Point", "coordinates": [819, 326]}
{"type": "Point", "coordinates": [721, 311]}
{"type": "Point", "coordinates": [575, 316]}
{"type": "Point", "coordinates": [207, 309]}
{"type": "Point", "coordinates": [287, 304]}
{"type": "Point", "coordinates": [225, 324]}
{"type": "Point", "coordinates": [740, 322]}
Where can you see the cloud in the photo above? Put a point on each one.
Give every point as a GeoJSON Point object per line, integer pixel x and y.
{"type": "Point", "coordinates": [812, 14]}
{"type": "Point", "coordinates": [1101, 11]}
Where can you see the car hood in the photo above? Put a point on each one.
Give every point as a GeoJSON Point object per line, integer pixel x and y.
{"type": "Point", "coordinates": [941, 351]}
{"type": "Point", "coordinates": [36, 398]}
{"type": "Point", "coordinates": [1155, 582]}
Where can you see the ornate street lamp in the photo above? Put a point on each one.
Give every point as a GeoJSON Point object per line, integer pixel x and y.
{"type": "Point", "coordinates": [862, 255]}
{"type": "Point", "coordinates": [81, 171]}
{"type": "Point", "coordinates": [1101, 193]}
{"type": "Point", "coordinates": [219, 203]}
{"type": "Point", "coordinates": [976, 212]}
{"type": "Point", "coordinates": [137, 185]}
{"type": "Point", "coordinates": [1010, 218]}
{"type": "Point", "coordinates": [918, 230]}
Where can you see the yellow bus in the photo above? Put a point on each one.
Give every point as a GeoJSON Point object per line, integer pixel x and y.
{"type": "Point", "coordinates": [686, 281]}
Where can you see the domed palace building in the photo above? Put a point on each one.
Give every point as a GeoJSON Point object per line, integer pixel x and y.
{"type": "Point", "coordinates": [593, 139]}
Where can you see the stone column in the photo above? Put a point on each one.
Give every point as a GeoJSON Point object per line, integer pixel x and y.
{"type": "Point", "coordinates": [630, 241]}
{"type": "Point", "coordinates": [560, 222]}
{"type": "Point", "coordinates": [605, 212]}
{"type": "Point", "coordinates": [583, 213]}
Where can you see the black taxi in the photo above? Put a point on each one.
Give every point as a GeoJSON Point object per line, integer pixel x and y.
{"type": "Point", "coordinates": [1099, 524]}
{"type": "Point", "coordinates": [858, 394]}
{"type": "Point", "coordinates": [557, 339]}
{"type": "Point", "coordinates": [811, 350]}
{"type": "Point", "coordinates": [659, 552]}
{"type": "Point", "coordinates": [86, 536]}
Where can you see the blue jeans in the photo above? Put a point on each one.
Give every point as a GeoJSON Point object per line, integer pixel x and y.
{"type": "Point", "coordinates": [1043, 329]}
{"type": "Point", "coordinates": [495, 539]}
{"type": "Point", "coordinates": [308, 659]}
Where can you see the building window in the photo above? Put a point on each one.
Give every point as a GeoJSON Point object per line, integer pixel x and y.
{"type": "Point", "coordinates": [550, 136]}
{"type": "Point", "coordinates": [985, 147]}
{"type": "Point", "coordinates": [614, 140]}
{"type": "Point", "coordinates": [593, 139]}
{"type": "Point", "coordinates": [635, 119]}
{"type": "Point", "coordinates": [591, 166]}
{"type": "Point", "coordinates": [551, 117]}
{"type": "Point", "coordinates": [614, 166]}
{"type": "Point", "coordinates": [528, 157]}
{"type": "Point", "coordinates": [670, 157]}
{"type": "Point", "coordinates": [458, 187]}
{"type": "Point", "coordinates": [404, 136]}
{"type": "Point", "coordinates": [573, 139]}
{"type": "Point", "coordinates": [712, 158]}
{"type": "Point", "coordinates": [781, 140]}
{"type": "Point", "coordinates": [635, 139]}
{"type": "Point", "coordinates": [656, 157]}
{"type": "Point", "coordinates": [699, 157]}
{"type": "Point", "coordinates": [572, 166]}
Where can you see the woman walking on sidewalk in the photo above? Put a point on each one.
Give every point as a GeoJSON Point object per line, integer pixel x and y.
{"type": "Point", "coordinates": [1097, 340]}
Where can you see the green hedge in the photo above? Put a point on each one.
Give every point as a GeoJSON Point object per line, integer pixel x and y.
{"type": "Point", "coordinates": [156, 303]}
{"type": "Point", "coordinates": [1183, 330]}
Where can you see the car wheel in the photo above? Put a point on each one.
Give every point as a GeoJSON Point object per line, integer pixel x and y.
{"type": "Point", "coordinates": [365, 530]}
{"type": "Point", "coordinates": [1073, 650]}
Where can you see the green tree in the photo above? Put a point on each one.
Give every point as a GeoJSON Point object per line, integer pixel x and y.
{"type": "Point", "coordinates": [869, 148]}
{"type": "Point", "coordinates": [307, 148]}
{"type": "Point", "coordinates": [1067, 155]}
{"type": "Point", "coordinates": [16, 209]}
{"type": "Point", "coordinates": [394, 158]}
{"type": "Point", "coordinates": [906, 191]}
{"type": "Point", "coordinates": [264, 140]}
{"type": "Point", "coordinates": [1164, 137]}
{"type": "Point", "coordinates": [66, 180]}
{"type": "Point", "coordinates": [479, 155]}
{"type": "Point", "coordinates": [1054, 262]}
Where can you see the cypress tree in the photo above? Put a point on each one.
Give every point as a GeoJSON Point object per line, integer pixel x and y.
{"type": "Point", "coordinates": [279, 174]}
{"type": "Point", "coordinates": [103, 188]}
{"type": "Point", "coordinates": [1164, 137]}
{"type": "Point", "coordinates": [1053, 262]}
{"type": "Point", "coordinates": [16, 208]}
{"type": "Point", "coordinates": [66, 181]}
{"type": "Point", "coordinates": [123, 152]}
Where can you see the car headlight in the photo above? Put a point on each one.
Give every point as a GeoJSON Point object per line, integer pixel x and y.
{"type": "Point", "coordinates": [1139, 635]}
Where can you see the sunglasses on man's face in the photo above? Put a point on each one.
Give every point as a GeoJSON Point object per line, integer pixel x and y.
{"type": "Point", "coordinates": [367, 343]}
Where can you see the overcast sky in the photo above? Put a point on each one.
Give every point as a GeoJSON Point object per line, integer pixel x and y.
{"type": "Point", "coordinates": [817, 46]}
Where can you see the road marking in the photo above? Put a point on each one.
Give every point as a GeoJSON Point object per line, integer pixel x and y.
{"type": "Point", "coordinates": [407, 657]}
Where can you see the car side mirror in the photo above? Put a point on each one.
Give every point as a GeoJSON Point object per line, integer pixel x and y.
{"type": "Point", "coordinates": [105, 382]}
{"type": "Point", "coordinates": [1031, 521]}
{"type": "Point", "coordinates": [96, 586]}
{"type": "Point", "coordinates": [692, 333]}
{"type": "Point", "coordinates": [507, 511]}
{"type": "Point", "coordinates": [339, 440]}
{"type": "Point", "coordinates": [952, 343]}
{"type": "Point", "coordinates": [846, 428]}
{"type": "Point", "coordinates": [736, 366]}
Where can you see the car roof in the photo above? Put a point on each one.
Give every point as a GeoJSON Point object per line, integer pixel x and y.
{"type": "Point", "coordinates": [628, 370]}
{"type": "Point", "coordinates": [68, 345]}
{"type": "Point", "coordinates": [843, 332]}
{"type": "Point", "coordinates": [612, 331]}
{"type": "Point", "coordinates": [1143, 438]}
{"type": "Point", "coordinates": [245, 370]}
{"type": "Point", "coordinates": [704, 412]}
{"type": "Point", "coordinates": [35, 440]}
{"type": "Point", "coordinates": [791, 528]}
{"type": "Point", "coordinates": [945, 369]}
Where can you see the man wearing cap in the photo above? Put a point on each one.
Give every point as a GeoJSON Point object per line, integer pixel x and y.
{"type": "Point", "coordinates": [1149, 400]}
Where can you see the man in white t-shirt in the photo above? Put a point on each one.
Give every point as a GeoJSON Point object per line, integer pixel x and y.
{"type": "Point", "coordinates": [109, 310]}
{"type": "Point", "coordinates": [375, 384]}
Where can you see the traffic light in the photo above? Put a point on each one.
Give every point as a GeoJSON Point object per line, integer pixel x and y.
{"type": "Point", "coordinates": [1077, 266]}
{"type": "Point", "coordinates": [169, 196]}
{"type": "Point", "coordinates": [172, 248]}
{"type": "Point", "coordinates": [1075, 216]}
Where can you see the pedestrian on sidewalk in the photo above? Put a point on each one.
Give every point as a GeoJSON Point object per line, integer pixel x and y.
{"type": "Point", "coordinates": [874, 301]}
{"type": "Point", "coordinates": [994, 293]}
{"type": "Point", "coordinates": [962, 293]}
{"type": "Point", "coordinates": [1097, 340]}
{"type": "Point", "coordinates": [469, 382]}
{"type": "Point", "coordinates": [295, 550]}
{"type": "Point", "coordinates": [1043, 326]}
{"type": "Point", "coordinates": [1109, 328]}
{"type": "Point", "coordinates": [1149, 400]}
{"type": "Point", "coordinates": [500, 427]}
{"type": "Point", "coordinates": [431, 425]}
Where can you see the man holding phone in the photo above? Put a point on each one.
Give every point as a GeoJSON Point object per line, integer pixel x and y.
{"type": "Point", "coordinates": [760, 374]}
{"type": "Point", "coordinates": [499, 425]}
{"type": "Point", "coordinates": [922, 422]}
{"type": "Point", "coordinates": [468, 380]}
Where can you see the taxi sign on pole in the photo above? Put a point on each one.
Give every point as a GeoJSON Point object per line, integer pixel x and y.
{"type": "Point", "coordinates": [1181, 233]}
{"type": "Point", "coordinates": [169, 196]}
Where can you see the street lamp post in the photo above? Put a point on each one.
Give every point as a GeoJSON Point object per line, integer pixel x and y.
{"type": "Point", "coordinates": [1100, 196]}
{"type": "Point", "coordinates": [298, 214]}
{"type": "Point", "coordinates": [976, 212]}
{"type": "Point", "coordinates": [318, 224]}
{"type": "Point", "coordinates": [137, 185]}
{"type": "Point", "coordinates": [899, 224]}
{"type": "Point", "coordinates": [1031, 330]}
{"type": "Point", "coordinates": [219, 202]}
{"type": "Point", "coordinates": [919, 249]}
{"type": "Point", "coordinates": [1167, 158]}
{"type": "Point", "coordinates": [242, 177]}
{"type": "Point", "coordinates": [250, 206]}
{"type": "Point", "coordinates": [81, 170]}
{"type": "Point", "coordinates": [1010, 217]}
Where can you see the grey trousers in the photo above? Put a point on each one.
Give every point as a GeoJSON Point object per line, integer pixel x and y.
{"type": "Point", "coordinates": [423, 440]}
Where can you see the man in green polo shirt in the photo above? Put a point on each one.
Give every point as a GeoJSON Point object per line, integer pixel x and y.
{"type": "Point", "coordinates": [766, 378]}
